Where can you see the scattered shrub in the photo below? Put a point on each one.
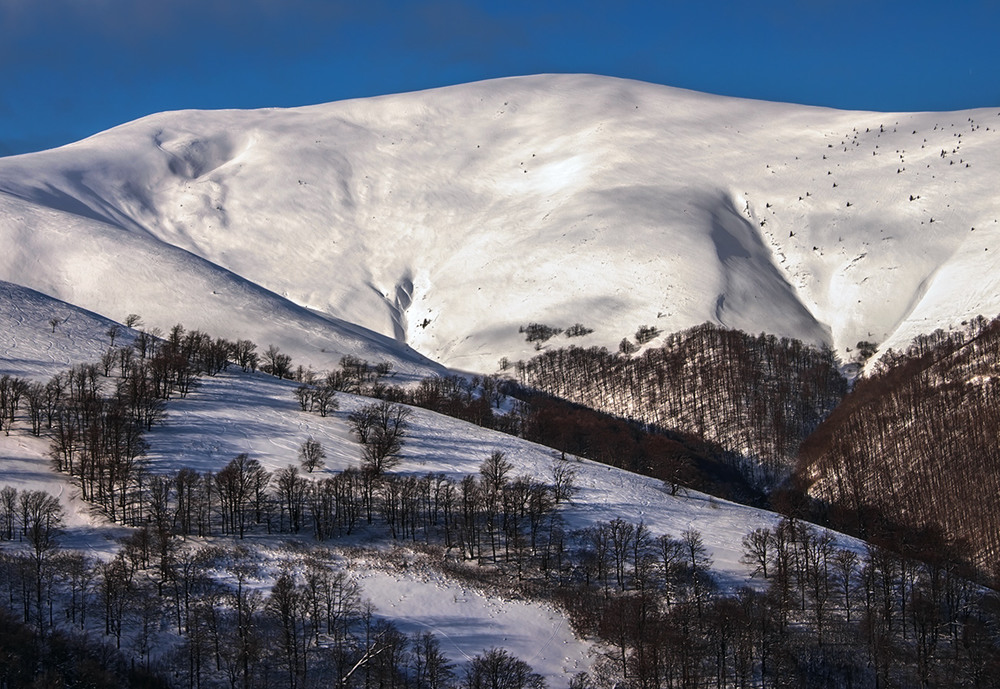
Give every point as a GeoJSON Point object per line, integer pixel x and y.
{"type": "Point", "coordinates": [578, 330]}
{"type": "Point", "coordinates": [646, 333]}
{"type": "Point", "coordinates": [538, 332]}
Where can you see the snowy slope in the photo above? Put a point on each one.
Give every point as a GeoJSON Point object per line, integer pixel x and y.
{"type": "Point", "coordinates": [235, 413]}
{"type": "Point", "coordinates": [114, 272]}
{"type": "Point", "coordinates": [445, 219]}
{"type": "Point", "coordinates": [465, 620]}
{"type": "Point", "coordinates": [31, 347]}
{"type": "Point", "coordinates": [257, 414]}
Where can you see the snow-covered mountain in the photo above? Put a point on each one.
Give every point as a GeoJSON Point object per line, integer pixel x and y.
{"type": "Point", "coordinates": [444, 220]}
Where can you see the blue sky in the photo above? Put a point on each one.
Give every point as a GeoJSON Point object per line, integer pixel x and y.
{"type": "Point", "coordinates": [70, 68]}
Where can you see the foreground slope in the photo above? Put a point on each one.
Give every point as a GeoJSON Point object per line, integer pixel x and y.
{"type": "Point", "coordinates": [235, 413]}
{"type": "Point", "coordinates": [445, 219]}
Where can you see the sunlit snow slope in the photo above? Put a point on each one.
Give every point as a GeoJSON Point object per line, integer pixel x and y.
{"type": "Point", "coordinates": [445, 219]}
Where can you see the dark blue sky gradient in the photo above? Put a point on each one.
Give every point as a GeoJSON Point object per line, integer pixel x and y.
{"type": "Point", "coordinates": [71, 68]}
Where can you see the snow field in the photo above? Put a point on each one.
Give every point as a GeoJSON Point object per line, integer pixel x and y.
{"type": "Point", "coordinates": [467, 621]}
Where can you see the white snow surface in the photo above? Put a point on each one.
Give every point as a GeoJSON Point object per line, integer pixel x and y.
{"type": "Point", "coordinates": [468, 622]}
{"type": "Point", "coordinates": [442, 220]}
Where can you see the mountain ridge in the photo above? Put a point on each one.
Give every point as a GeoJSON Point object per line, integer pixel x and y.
{"type": "Point", "coordinates": [444, 219]}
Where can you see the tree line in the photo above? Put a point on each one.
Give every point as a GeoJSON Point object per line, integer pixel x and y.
{"type": "Point", "coordinates": [97, 415]}
{"type": "Point", "coordinates": [679, 458]}
{"type": "Point", "coordinates": [216, 616]}
{"type": "Point", "coordinates": [756, 396]}
{"type": "Point", "coordinates": [821, 616]}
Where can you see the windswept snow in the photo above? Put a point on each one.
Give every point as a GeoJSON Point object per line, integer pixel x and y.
{"type": "Point", "coordinates": [442, 220]}
{"type": "Point", "coordinates": [467, 622]}
{"type": "Point", "coordinates": [41, 336]}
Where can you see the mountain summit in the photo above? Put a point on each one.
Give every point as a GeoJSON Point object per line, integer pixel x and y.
{"type": "Point", "coordinates": [429, 227]}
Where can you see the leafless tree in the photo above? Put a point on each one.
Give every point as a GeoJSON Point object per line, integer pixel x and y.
{"type": "Point", "coordinates": [498, 669]}
{"type": "Point", "coordinates": [380, 427]}
{"type": "Point", "coordinates": [312, 455]}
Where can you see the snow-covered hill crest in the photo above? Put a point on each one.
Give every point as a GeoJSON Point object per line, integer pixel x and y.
{"type": "Point", "coordinates": [443, 220]}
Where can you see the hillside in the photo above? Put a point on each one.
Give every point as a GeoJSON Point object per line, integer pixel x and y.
{"type": "Point", "coordinates": [912, 450]}
{"type": "Point", "coordinates": [235, 413]}
{"type": "Point", "coordinates": [625, 580]}
{"type": "Point", "coordinates": [757, 397]}
{"type": "Point", "coordinates": [257, 414]}
{"type": "Point", "coordinates": [535, 225]}
{"type": "Point", "coordinates": [206, 557]}
{"type": "Point", "coordinates": [443, 220]}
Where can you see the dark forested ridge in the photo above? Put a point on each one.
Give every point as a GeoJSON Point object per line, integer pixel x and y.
{"type": "Point", "coordinates": [679, 459]}
{"type": "Point", "coordinates": [915, 443]}
{"type": "Point", "coordinates": [756, 396]}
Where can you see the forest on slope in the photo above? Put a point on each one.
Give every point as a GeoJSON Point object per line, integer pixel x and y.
{"type": "Point", "coordinates": [758, 397]}
{"type": "Point", "coordinates": [914, 445]}
{"type": "Point", "coordinates": [908, 457]}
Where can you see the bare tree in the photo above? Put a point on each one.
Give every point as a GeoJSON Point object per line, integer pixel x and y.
{"type": "Point", "coordinates": [325, 399]}
{"type": "Point", "coordinates": [276, 363]}
{"type": "Point", "coordinates": [245, 353]}
{"type": "Point", "coordinates": [287, 605]}
{"type": "Point", "coordinates": [495, 472]}
{"type": "Point", "coordinates": [846, 566]}
{"type": "Point", "coordinates": [116, 582]}
{"type": "Point", "coordinates": [497, 668]}
{"type": "Point", "coordinates": [430, 667]}
{"type": "Point", "coordinates": [627, 347]}
{"type": "Point", "coordinates": [312, 455]}
{"type": "Point", "coordinates": [699, 564]}
{"type": "Point", "coordinates": [41, 518]}
{"type": "Point", "coordinates": [239, 484]}
{"type": "Point", "coordinates": [242, 653]}
{"type": "Point", "coordinates": [563, 481]}
{"type": "Point", "coordinates": [757, 551]}
{"type": "Point", "coordinates": [647, 333]}
{"type": "Point", "coordinates": [8, 512]}
{"type": "Point", "coordinates": [292, 489]}
{"type": "Point", "coordinates": [108, 360]}
{"type": "Point", "coordinates": [380, 428]}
